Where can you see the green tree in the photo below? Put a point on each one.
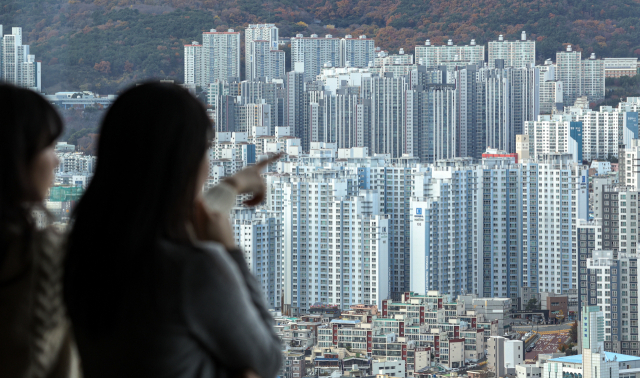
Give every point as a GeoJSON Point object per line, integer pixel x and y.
{"type": "Point", "coordinates": [532, 304]}
{"type": "Point", "coordinates": [573, 332]}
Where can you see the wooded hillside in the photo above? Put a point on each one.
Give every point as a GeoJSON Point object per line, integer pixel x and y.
{"type": "Point", "coordinates": [104, 45]}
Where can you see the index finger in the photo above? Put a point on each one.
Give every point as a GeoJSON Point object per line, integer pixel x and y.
{"type": "Point", "coordinates": [269, 160]}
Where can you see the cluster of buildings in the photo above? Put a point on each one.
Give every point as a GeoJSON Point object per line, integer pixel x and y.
{"type": "Point", "coordinates": [17, 66]}
{"type": "Point", "coordinates": [342, 227]}
{"type": "Point", "coordinates": [72, 175]}
{"type": "Point", "coordinates": [410, 337]}
{"type": "Point", "coordinates": [435, 335]}
{"type": "Point", "coordinates": [441, 102]}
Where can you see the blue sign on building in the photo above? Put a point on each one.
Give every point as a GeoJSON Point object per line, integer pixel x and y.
{"type": "Point", "coordinates": [575, 133]}
{"type": "Point", "coordinates": [418, 211]}
{"type": "Point", "coordinates": [632, 123]}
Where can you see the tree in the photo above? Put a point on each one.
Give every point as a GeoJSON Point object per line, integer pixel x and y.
{"type": "Point", "coordinates": [573, 332]}
{"type": "Point", "coordinates": [532, 304]}
{"type": "Point", "coordinates": [103, 67]}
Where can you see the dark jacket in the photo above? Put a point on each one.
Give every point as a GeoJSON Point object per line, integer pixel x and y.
{"type": "Point", "coordinates": [200, 314]}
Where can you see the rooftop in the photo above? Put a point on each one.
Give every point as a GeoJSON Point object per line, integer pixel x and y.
{"type": "Point", "coordinates": [339, 321]}
{"type": "Point", "coordinates": [577, 359]}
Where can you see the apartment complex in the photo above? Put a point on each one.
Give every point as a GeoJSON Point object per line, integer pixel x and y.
{"type": "Point", "coordinates": [520, 53]}
{"type": "Point", "coordinates": [450, 55]}
{"type": "Point", "coordinates": [613, 289]}
{"type": "Point", "coordinates": [356, 52]}
{"type": "Point", "coordinates": [216, 59]}
{"type": "Point", "coordinates": [315, 53]}
{"type": "Point", "coordinates": [579, 77]}
{"type": "Point", "coordinates": [262, 56]}
{"type": "Point", "coordinates": [17, 66]}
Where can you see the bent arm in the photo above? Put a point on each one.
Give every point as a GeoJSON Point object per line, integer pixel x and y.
{"type": "Point", "coordinates": [221, 198]}
{"type": "Point", "coordinates": [222, 314]}
{"type": "Point", "coordinates": [254, 291]}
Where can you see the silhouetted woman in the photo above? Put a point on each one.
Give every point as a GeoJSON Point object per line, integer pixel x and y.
{"type": "Point", "coordinates": [35, 338]}
{"type": "Point", "coordinates": [154, 283]}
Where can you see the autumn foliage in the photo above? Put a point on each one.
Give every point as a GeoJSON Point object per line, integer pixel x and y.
{"type": "Point", "coordinates": [104, 45]}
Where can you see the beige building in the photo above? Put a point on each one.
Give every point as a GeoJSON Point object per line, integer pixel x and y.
{"type": "Point", "coordinates": [522, 147]}
{"type": "Point", "coordinates": [495, 355]}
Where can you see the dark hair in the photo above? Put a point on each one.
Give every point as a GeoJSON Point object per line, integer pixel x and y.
{"type": "Point", "coordinates": [28, 124]}
{"type": "Point", "coordinates": [152, 142]}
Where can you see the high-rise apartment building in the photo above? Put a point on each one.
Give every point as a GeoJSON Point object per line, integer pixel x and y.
{"type": "Point", "coordinates": [494, 105]}
{"type": "Point", "coordinates": [521, 53]}
{"type": "Point", "coordinates": [589, 238]}
{"type": "Point", "coordinates": [296, 114]}
{"type": "Point", "coordinates": [261, 91]}
{"type": "Point", "coordinates": [391, 127]}
{"type": "Point", "coordinates": [216, 59]}
{"type": "Point", "coordinates": [579, 77]}
{"type": "Point", "coordinates": [335, 244]}
{"type": "Point", "coordinates": [478, 218]}
{"type": "Point", "coordinates": [383, 58]}
{"type": "Point", "coordinates": [568, 65]}
{"type": "Point", "coordinates": [549, 253]}
{"type": "Point", "coordinates": [629, 165]}
{"type": "Point", "coordinates": [605, 130]}
{"type": "Point", "coordinates": [613, 290]}
{"type": "Point", "coordinates": [315, 53]}
{"type": "Point", "coordinates": [550, 89]}
{"type": "Point", "coordinates": [268, 34]}
{"type": "Point", "coordinates": [449, 55]}
{"type": "Point", "coordinates": [259, 235]}
{"type": "Point", "coordinates": [555, 133]}
{"type": "Point", "coordinates": [265, 62]}
{"type": "Point", "coordinates": [194, 67]}
{"type": "Point", "coordinates": [17, 66]}
{"type": "Point", "coordinates": [221, 55]}
{"type": "Point", "coordinates": [592, 77]}
{"type": "Point", "coordinates": [357, 52]}
{"type": "Point", "coordinates": [441, 229]}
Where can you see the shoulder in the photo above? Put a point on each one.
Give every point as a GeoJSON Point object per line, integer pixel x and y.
{"type": "Point", "coordinates": [200, 259]}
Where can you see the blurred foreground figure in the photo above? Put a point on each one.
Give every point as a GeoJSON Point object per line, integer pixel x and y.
{"type": "Point", "coordinates": [154, 282]}
{"type": "Point", "coordinates": [35, 338]}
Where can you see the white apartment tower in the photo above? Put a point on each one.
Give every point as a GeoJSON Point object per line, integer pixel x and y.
{"type": "Point", "coordinates": [194, 68]}
{"type": "Point", "coordinates": [521, 53]}
{"type": "Point", "coordinates": [629, 165]}
{"type": "Point", "coordinates": [335, 245]}
{"type": "Point", "coordinates": [554, 199]}
{"type": "Point", "coordinates": [568, 65]}
{"type": "Point", "coordinates": [259, 235]}
{"type": "Point", "coordinates": [605, 130]}
{"type": "Point", "coordinates": [315, 53]}
{"type": "Point", "coordinates": [258, 32]}
{"type": "Point", "coordinates": [592, 77]}
{"type": "Point", "coordinates": [550, 89]}
{"type": "Point", "coordinates": [17, 66]}
{"type": "Point", "coordinates": [357, 52]}
{"type": "Point", "coordinates": [548, 134]}
{"type": "Point", "coordinates": [616, 272]}
{"type": "Point", "coordinates": [433, 56]}
{"type": "Point", "coordinates": [265, 62]}
{"type": "Point", "coordinates": [391, 116]}
{"type": "Point", "coordinates": [216, 59]}
{"type": "Point", "coordinates": [221, 56]}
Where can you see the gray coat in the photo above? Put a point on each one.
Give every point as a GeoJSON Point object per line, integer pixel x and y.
{"type": "Point", "coordinates": [200, 315]}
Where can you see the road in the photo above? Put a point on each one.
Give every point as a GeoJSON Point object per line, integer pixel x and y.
{"type": "Point", "coordinates": [547, 344]}
{"type": "Point", "coordinates": [540, 327]}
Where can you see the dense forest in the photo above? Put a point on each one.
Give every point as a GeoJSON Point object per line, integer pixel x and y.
{"type": "Point", "coordinates": [105, 45]}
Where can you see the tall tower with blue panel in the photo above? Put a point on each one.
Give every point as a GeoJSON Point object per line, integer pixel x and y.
{"type": "Point", "coordinates": [575, 140]}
